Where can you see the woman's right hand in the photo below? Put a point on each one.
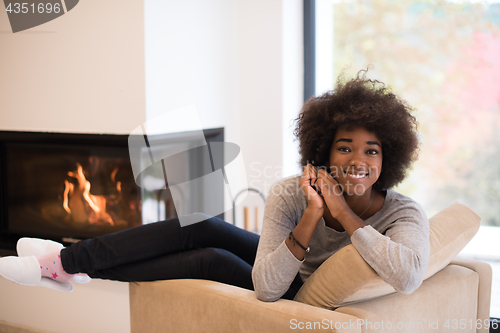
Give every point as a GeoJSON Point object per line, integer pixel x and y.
{"type": "Point", "coordinates": [314, 200]}
{"type": "Point", "coordinates": [312, 215]}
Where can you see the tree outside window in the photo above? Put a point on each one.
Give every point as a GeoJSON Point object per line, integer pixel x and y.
{"type": "Point", "coordinates": [443, 58]}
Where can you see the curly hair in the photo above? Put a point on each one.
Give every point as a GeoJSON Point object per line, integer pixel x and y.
{"type": "Point", "coordinates": [365, 103]}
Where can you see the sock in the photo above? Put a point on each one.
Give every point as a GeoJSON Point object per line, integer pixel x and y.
{"type": "Point", "coordinates": [51, 267]}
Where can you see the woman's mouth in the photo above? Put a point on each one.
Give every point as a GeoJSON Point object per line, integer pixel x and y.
{"type": "Point", "coordinates": [355, 175]}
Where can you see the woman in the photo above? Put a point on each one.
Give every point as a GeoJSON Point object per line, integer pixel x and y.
{"type": "Point", "coordinates": [364, 135]}
{"type": "Point", "coordinates": [366, 138]}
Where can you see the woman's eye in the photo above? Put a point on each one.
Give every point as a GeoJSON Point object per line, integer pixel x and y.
{"type": "Point", "coordinates": [344, 149]}
{"type": "Point", "coordinates": [372, 152]}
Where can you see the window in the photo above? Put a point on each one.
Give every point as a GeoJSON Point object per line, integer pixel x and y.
{"type": "Point", "coordinates": [442, 57]}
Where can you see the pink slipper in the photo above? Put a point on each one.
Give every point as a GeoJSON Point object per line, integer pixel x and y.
{"type": "Point", "coordinates": [25, 271]}
{"type": "Point", "coordinates": [37, 247]}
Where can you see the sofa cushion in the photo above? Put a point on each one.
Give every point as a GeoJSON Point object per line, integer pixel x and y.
{"type": "Point", "coordinates": [346, 278]}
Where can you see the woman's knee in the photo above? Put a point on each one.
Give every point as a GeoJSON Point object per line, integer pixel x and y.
{"type": "Point", "coordinates": [213, 255]}
{"type": "Point", "coordinates": [223, 266]}
{"type": "Point", "coordinates": [210, 224]}
{"type": "Point", "coordinates": [218, 260]}
{"type": "Point", "coordinates": [204, 217]}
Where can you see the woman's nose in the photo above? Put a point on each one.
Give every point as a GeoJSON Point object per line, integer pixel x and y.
{"type": "Point", "coordinates": [357, 160]}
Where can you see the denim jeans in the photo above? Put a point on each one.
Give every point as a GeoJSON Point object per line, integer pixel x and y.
{"type": "Point", "coordinates": [211, 250]}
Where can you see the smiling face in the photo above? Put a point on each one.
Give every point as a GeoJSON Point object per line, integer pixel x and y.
{"type": "Point", "coordinates": [356, 160]}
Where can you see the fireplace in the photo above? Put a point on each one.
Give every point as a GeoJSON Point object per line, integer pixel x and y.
{"type": "Point", "coordinates": [68, 187]}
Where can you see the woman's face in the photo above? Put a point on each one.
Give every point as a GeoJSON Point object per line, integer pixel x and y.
{"type": "Point", "coordinates": [356, 160]}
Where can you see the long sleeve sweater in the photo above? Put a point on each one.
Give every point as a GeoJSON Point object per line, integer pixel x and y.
{"type": "Point", "coordinates": [395, 242]}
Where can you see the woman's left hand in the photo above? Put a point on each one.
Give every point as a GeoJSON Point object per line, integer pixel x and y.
{"type": "Point", "coordinates": [332, 193]}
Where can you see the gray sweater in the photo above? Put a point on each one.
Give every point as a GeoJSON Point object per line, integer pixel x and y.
{"type": "Point", "coordinates": [395, 243]}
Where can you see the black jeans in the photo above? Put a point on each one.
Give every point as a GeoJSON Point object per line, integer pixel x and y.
{"type": "Point", "coordinates": [211, 250]}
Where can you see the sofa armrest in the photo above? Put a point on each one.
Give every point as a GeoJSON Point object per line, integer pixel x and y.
{"type": "Point", "coordinates": [484, 293]}
{"type": "Point", "coordinates": [448, 297]}
{"type": "Point", "coordinates": [190, 305]}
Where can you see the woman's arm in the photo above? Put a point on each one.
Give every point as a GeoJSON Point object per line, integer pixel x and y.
{"type": "Point", "coordinates": [304, 230]}
{"type": "Point", "coordinates": [275, 266]}
{"type": "Point", "coordinates": [401, 256]}
{"type": "Point", "coordinates": [278, 259]}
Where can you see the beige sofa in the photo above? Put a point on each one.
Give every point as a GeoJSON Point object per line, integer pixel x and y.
{"type": "Point", "coordinates": [343, 295]}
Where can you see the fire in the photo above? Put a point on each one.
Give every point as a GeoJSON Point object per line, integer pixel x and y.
{"type": "Point", "coordinates": [68, 188]}
{"type": "Point", "coordinates": [81, 204]}
{"type": "Point", "coordinates": [113, 179]}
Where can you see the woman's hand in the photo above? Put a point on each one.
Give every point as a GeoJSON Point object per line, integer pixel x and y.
{"type": "Point", "coordinates": [314, 200]}
{"type": "Point", "coordinates": [312, 215]}
{"type": "Point", "coordinates": [332, 193]}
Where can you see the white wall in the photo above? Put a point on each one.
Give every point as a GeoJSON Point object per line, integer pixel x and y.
{"type": "Point", "coordinates": [293, 82]}
{"type": "Point", "coordinates": [325, 76]}
{"type": "Point", "coordinates": [239, 62]}
{"type": "Point", "coordinates": [82, 72]}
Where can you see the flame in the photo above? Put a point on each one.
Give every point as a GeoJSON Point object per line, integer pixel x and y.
{"type": "Point", "coordinates": [74, 205]}
{"type": "Point", "coordinates": [113, 175]}
{"type": "Point", "coordinates": [84, 185]}
{"type": "Point", "coordinates": [68, 188]}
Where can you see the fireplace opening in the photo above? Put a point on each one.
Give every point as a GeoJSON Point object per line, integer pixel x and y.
{"type": "Point", "coordinates": [70, 191]}
{"type": "Point", "coordinates": [68, 187]}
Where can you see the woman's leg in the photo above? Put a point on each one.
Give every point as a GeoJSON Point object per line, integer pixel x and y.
{"type": "Point", "coordinates": [157, 240]}
{"type": "Point", "coordinates": [205, 263]}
